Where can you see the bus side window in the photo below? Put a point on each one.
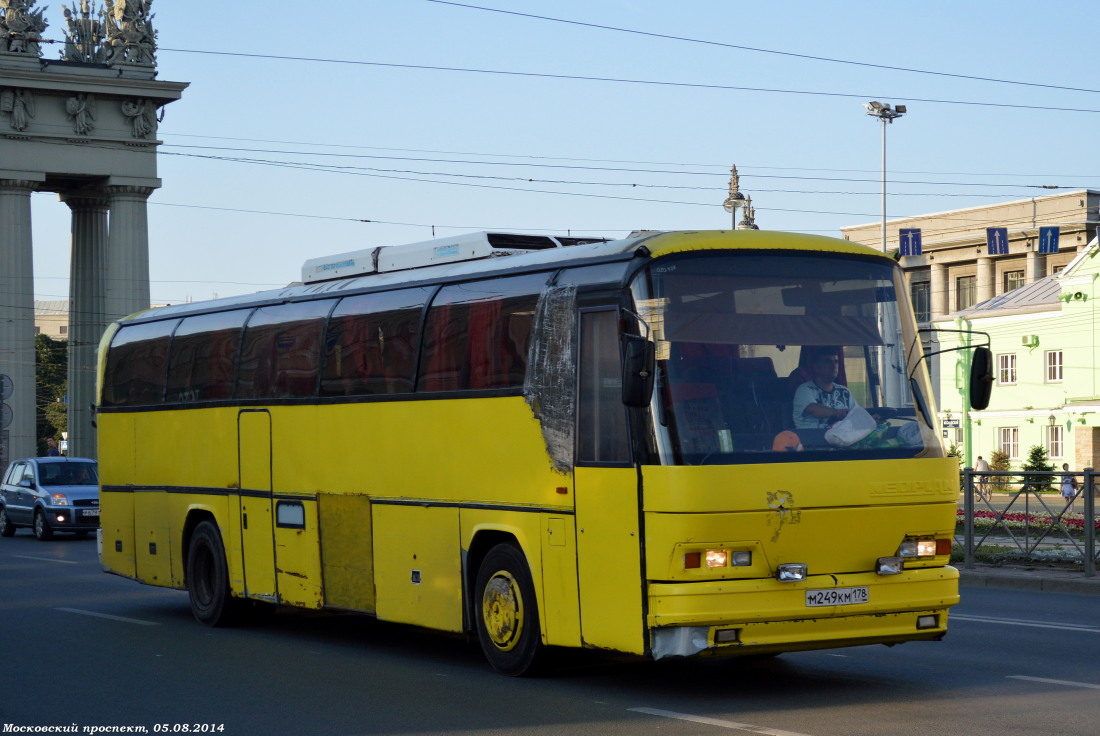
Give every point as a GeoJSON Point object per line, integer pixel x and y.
{"type": "Point", "coordinates": [136, 364]}
{"type": "Point", "coordinates": [601, 421]}
{"type": "Point", "coordinates": [371, 343]}
{"type": "Point", "coordinates": [281, 351]}
{"type": "Point", "coordinates": [478, 333]}
{"type": "Point", "coordinates": [204, 356]}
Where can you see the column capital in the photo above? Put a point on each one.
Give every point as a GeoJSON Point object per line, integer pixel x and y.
{"type": "Point", "coordinates": [129, 190]}
{"type": "Point", "coordinates": [27, 185]}
{"type": "Point", "coordinates": [85, 200]}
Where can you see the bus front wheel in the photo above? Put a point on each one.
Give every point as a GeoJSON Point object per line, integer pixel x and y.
{"type": "Point", "coordinates": [208, 578]}
{"type": "Point", "coordinates": [507, 614]}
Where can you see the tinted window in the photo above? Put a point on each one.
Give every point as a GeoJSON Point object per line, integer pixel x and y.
{"type": "Point", "coordinates": [601, 422]}
{"type": "Point", "coordinates": [478, 333]}
{"type": "Point", "coordinates": [204, 356]}
{"type": "Point", "coordinates": [135, 373]}
{"type": "Point", "coordinates": [281, 351]}
{"type": "Point", "coordinates": [371, 343]}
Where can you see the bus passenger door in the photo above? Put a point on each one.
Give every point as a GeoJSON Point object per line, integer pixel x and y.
{"type": "Point", "coordinates": [257, 537]}
{"type": "Point", "coordinates": [609, 562]}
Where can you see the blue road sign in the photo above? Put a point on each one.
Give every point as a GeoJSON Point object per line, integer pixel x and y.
{"type": "Point", "coordinates": [996, 241]}
{"type": "Point", "coordinates": [910, 241]}
{"type": "Point", "coordinates": [1048, 239]}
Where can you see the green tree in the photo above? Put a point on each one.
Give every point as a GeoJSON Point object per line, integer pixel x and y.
{"type": "Point", "coordinates": [1000, 461]}
{"type": "Point", "coordinates": [51, 385]}
{"type": "Point", "coordinates": [1037, 461]}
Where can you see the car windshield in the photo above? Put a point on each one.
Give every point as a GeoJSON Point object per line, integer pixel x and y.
{"type": "Point", "coordinates": [68, 474]}
{"type": "Point", "coordinates": [769, 357]}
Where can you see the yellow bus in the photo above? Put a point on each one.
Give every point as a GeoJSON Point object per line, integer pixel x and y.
{"type": "Point", "coordinates": [675, 444]}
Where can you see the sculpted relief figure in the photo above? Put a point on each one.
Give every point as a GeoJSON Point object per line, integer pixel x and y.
{"type": "Point", "coordinates": [81, 110]}
{"type": "Point", "coordinates": [21, 27]}
{"type": "Point", "coordinates": [142, 115]}
{"type": "Point", "coordinates": [18, 104]}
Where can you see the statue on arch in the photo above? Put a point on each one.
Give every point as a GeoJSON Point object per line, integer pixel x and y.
{"type": "Point", "coordinates": [21, 27]}
{"type": "Point", "coordinates": [131, 38]}
{"type": "Point", "coordinates": [84, 39]}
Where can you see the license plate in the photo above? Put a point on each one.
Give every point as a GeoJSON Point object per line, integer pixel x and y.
{"type": "Point", "coordinates": [91, 512]}
{"type": "Point", "coordinates": [836, 596]}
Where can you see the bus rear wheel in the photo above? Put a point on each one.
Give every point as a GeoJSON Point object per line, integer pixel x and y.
{"type": "Point", "coordinates": [507, 614]}
{"type": "Point", "coordinates": [208, 578]}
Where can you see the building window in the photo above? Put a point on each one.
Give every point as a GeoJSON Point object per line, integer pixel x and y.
{"type": "Point", "coordinates": [1009, 441]}
{"type": "Point", "coordinates": [1006, 369]}
{"type": "Point", "coordinates": [64, 329]}
{"type": "Point", "coordinates": [1013, 280]}
{"type": "Point", "coordinates": [1054, 366]}
{"type": "Point", "coordinates": [1054, 440]}
{"type": "Point", "coordinates": [922, 306]}
{"type": "Point", "coordinates": [1057, 269]}
{"type": "Point", "coordinates": [966, 291]}
{"type": "Point", "coordinates": [37, 330]}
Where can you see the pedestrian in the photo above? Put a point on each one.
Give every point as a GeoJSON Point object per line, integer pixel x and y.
{"type": "Point", "coordinates": [51, 448]}
{"type": "Point", "coordinates": [1069, 486]}
{"type": "Point", "coordinates": [981, 466]}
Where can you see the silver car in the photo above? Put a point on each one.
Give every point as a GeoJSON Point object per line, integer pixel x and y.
{"type": "Point", "coordinates": [50, 494]}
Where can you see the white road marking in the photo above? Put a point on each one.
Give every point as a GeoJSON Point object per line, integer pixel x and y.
{"type": "Point", "coordinates": [715, 722]}
{"type": "Point", "coordinates": [1067, 683]}
{"type": "Point", "coordinates": [46, 559]}
{"type": "Point", "coordinates": [109, 616]}
{"type": "Point", "coordinates": [1021, 622]}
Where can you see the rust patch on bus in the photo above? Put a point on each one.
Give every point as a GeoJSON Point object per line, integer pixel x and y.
{"type": "Point", "coordinates": [782, 502]}
{"type": "Point", "coordinates": [551, 371]}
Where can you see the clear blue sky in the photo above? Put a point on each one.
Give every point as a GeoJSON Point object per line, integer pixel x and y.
{"type": "Point", "coordinates": [411, 148]}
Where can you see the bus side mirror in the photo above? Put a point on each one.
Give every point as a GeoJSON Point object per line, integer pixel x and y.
{"type": "Point", "coordinates": [981, 378]}
{"type": "Point", "coordinates": [639, 361]}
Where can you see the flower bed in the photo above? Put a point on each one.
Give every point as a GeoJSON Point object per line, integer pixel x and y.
{"type": "Point", "coordinates": [1019, 520]}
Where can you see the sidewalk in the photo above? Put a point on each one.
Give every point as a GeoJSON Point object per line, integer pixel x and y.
{"type": "Point", "coordinates": [1018, 578]}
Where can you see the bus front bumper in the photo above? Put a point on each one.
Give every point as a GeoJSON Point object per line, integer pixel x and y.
{"type": "Point", "coordinates": [764, 616]}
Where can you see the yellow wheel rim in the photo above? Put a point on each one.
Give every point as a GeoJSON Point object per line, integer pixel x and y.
{"type": "Point", "coordinates": [502, 611]}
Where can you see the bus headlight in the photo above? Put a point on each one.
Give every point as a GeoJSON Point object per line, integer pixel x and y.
{"type": "Point", "coordinates": [918, 547]}
{"type": "Point", "coordinates": [790, 572]}
{"type": "Point", "coordinates": [889, 566]}
{"type": "Point", "coordinates": [713, 558]}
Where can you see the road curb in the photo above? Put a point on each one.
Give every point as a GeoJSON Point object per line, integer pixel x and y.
{"type": "Point", "coordinates": [1029, 580]}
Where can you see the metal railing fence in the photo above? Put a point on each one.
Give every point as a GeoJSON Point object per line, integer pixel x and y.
{"type": "Point", "coordinates": [1035, 518]}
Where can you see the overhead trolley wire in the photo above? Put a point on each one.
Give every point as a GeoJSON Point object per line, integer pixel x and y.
{"type": "Point", "coordinates": [620, 80]}
{"type": "Point", "coordinates": [791, 54]}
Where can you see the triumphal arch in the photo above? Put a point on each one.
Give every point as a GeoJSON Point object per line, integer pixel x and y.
{"type": "Point", "coordinates": [83, 125]}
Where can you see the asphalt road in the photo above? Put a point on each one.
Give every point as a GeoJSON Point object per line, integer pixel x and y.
{"type": "Point", "coordinates": [84, 649]}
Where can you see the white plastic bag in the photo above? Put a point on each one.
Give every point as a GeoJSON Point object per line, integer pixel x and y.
{"type": "Point", "coordinates": [851, 429]}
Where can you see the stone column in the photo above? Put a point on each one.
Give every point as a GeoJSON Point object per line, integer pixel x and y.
{"type": "Point", "coordinates": [940, 292]}
{"type": "Point", "coordinates": [17, 355]}
{"type": "Point", "coordinates": [1036, 267]}
{"type": "Point", "coordinates": [127, 284]}
{"type": "Point", "coordinates": [987, 279]}
{"type": "Point", "coordinates": [87, 272]}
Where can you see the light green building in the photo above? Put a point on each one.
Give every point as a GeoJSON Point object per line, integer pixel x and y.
{"type": "Point", "coordinates": [1046, 386]}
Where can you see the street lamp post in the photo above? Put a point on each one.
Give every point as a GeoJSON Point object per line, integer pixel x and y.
{"type": "Point", "coordinates": [886, 114]}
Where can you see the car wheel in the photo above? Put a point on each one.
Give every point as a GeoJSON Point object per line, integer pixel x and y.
{"type": "Point", "coordinates": [42, 530]}
{"type": "Point", "coordinates": [506, 612]}
{"type": "Point", "coordinates": [208, 578]}
{"type": "Point", "coordinates": [6, 527]}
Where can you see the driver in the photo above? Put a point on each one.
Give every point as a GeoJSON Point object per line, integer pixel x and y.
{"type": "Point", "coordinates": [820, 402]}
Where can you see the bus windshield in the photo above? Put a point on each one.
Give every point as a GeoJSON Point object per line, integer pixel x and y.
{"type": "Point", "coordinates": [780, 357]}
